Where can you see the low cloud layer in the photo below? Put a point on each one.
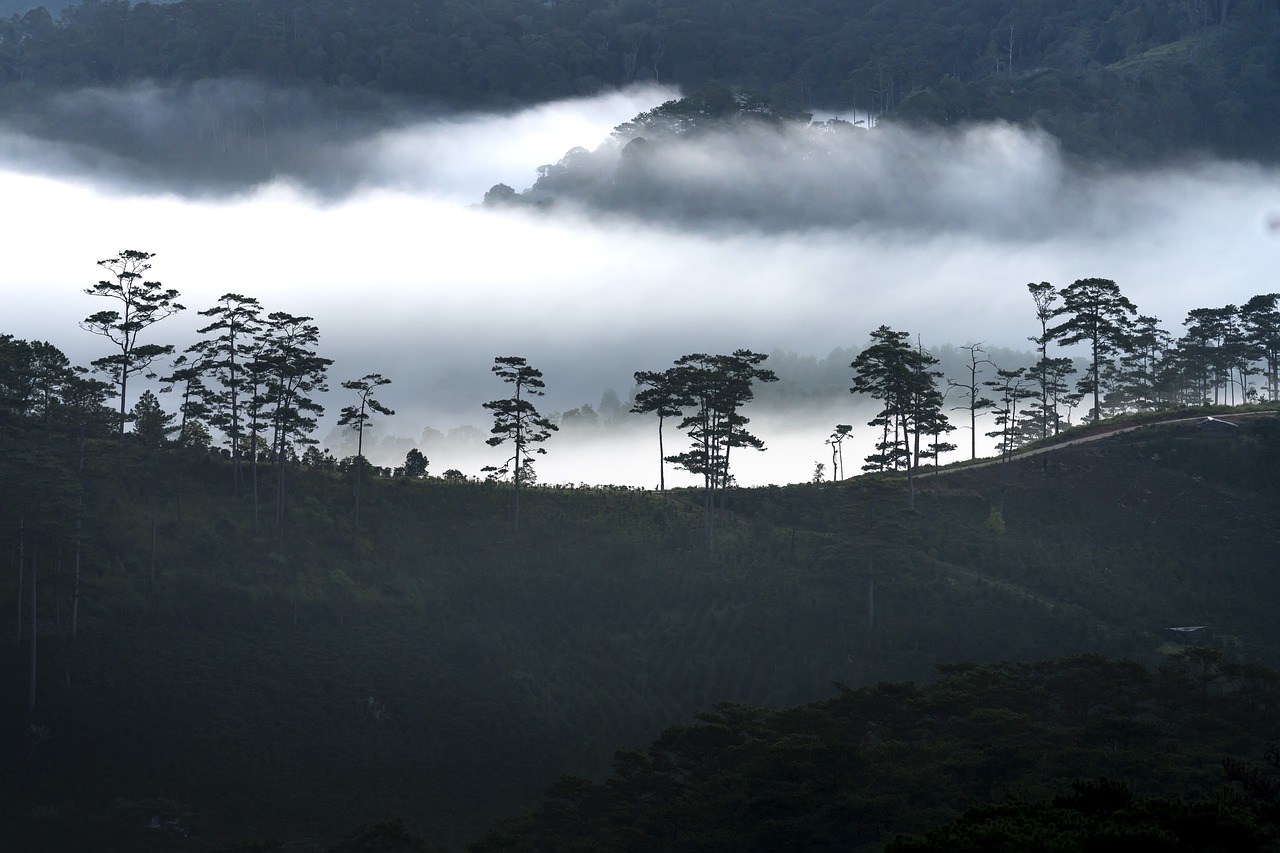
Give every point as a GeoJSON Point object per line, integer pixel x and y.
{"type": "Point", "coordinates": [220, 138]}
{"type": "Point", "coordinates": [991, 180]}
{"type": "Point", "coordinates": [370, 227]}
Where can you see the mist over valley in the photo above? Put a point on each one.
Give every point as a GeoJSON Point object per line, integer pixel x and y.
{"type": "Point", "coordinates": [793, 239]}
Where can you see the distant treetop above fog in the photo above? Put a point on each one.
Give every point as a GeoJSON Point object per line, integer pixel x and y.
{"type": "Point", "coordinates": [1125, 79]}
{"type": "Point", "coordinates": [731, 158]}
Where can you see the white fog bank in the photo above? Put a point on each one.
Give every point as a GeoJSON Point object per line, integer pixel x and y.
{"type": "Point", "coordinates": [406, 278]}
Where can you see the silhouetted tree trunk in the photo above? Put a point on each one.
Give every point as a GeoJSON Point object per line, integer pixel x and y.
{"type": "Point", "coordinates": [236, 324]}
{"type": "Point", "coordinates": [976, 402]}
{"type": "Point", "coordinates": [358, 416]}
{"type": "Point", "coordinates": [142, 303]}
{"type": "Point", "coordinates": [658, 395]}
{"type": "Point", "coordinates": [517, 420]}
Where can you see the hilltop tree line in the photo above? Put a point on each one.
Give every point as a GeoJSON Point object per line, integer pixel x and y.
{"type": "Point", "coordinates": [255, 378]}
{"type": "Point", "coordinates": [1228, 355]}
{"type": "Point", "coordinates": [1133, 79]}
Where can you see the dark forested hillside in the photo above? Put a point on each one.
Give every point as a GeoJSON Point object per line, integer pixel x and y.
{"type": "Point", "coordinates": [248, 678]}
{"type": "Point", "coordinates": [850, 772]}
{"type": "Point", "coordinates": [1132, 79]}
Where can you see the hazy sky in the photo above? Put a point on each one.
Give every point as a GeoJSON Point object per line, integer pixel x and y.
{"type": "Point", "coordinates": [371, 229]}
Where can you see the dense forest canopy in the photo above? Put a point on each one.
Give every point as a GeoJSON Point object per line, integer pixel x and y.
{"type": "Point", "coordinates": [1133, 79]}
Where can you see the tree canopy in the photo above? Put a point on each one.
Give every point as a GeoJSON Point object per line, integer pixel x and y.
{"type": "Point", "coordinates": [1131, 79]}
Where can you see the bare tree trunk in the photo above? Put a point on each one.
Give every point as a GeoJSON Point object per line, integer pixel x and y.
{"type": "Point", "coordinates": [709, 514]}
{"type": "Point", "coordinates": [235, 467]}
{"type": "Point", "coordinates": [519, 442]}
{"type": "Point", "coordinates": [255, 483]}
{"type": "Point", "coordinates": [1097, 382]}
{"type": "Point", "coordinates": [724, 486]}
{"type": "Point", "coordinates": [516, 482]}
{"type": "Point", "coordinates": [711, 482]}
{"type": "Point", "coordinates": [360, 474]}
{"type": "Point", "coordinates": [280, 499]}
{"type": "Point", "coordinates": [662, 460]}
{"type": "Point", "coordinates": [124, 384]}
{"type": "Point", "coordinates": [911, 465]}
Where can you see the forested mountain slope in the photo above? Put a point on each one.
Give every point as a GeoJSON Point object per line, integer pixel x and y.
{"type": "Point", "coordinates": [1132, 79]}
{"type": "Point", "coordinates": [434, 664]}
{"type": "Point", "coordinates": [852, 771]}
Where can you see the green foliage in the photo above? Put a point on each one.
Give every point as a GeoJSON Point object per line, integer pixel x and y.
{"type": "Point", "coordinates": [151, 424]}
{"type": "Point", "coordinates": [415, 464]}
{"type": "Point", "coordinates": [710, 391]}
{"type": "Point", "coordinates": [995, 521]}
{"type": "Point", "coordinates": [195, 435]}
{"type": "Point", "coordinates": [901, 377]}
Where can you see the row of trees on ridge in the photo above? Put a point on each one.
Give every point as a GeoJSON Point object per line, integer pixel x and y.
{"type": "Point", "coordinates": [1132, 365]}
{"type": "Point", "coordinates": [255, 378]}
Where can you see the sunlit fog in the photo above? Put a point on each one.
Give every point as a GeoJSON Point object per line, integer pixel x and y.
{"type": "Point", "coordinates": [375, 230]}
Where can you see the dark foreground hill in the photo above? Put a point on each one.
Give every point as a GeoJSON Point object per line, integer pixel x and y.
{"type": "Point", "coordinates": [850, 772]}
{"type": "Point", "coordinates": [437, 666]}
